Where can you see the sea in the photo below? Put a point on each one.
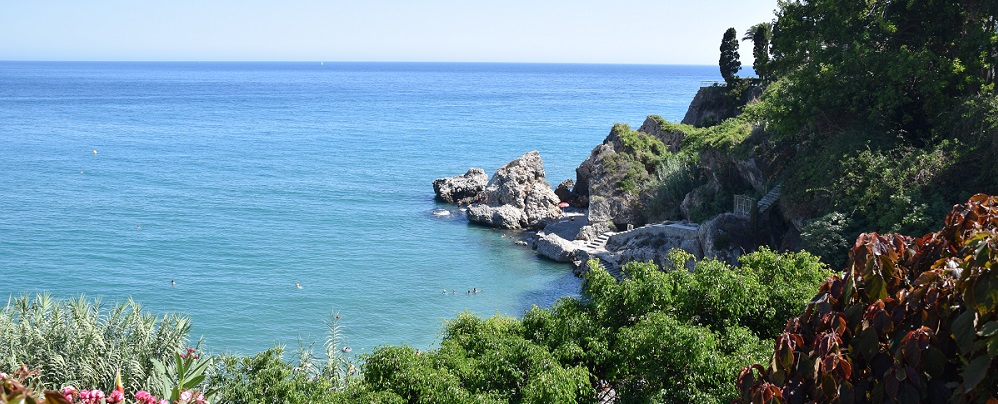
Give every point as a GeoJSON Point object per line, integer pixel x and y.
{"type": "Point", "coordinates": [212, 189]}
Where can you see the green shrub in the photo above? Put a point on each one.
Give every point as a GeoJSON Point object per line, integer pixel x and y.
{"type": "Point", "coordinates": [267, 378]}
{"type": "Point", "coordinates": [676, 176]}
{"type": "Point", "coordinates": [827, 237]}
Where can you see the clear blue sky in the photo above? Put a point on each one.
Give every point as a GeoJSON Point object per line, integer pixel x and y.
{"type": "Point", "coordinates": [560, 31]}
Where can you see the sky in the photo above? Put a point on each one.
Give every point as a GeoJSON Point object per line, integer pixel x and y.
{"type": "Point", "coordinates": [527, 31]}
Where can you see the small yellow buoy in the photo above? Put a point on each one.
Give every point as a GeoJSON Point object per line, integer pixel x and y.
{"type": "Point", "coordinates": [95, 152]}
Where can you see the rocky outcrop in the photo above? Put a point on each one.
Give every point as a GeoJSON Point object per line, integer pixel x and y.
{"type": "Point", "coordinates": [517, 196]}
{"type": "Point", "coordinates": [656, 126]}
{"type": "Point", "coordinates": [600, 179]}
{"type": "Point", "coordinates": [712, 105]}
{"type": "Point", "coordinates": [461, 189]}
{"type": "Point", "coordinates": [556, 248]}
{"type": "Point", "coordinates": [565, 194]}
{"type": "Point", "coordinates": [643, 244]}
{"type": "Point", "coordinates": [725, 237]}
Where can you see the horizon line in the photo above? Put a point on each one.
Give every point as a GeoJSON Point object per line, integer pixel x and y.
{"type": "Point", "coordinates": [345, 61]}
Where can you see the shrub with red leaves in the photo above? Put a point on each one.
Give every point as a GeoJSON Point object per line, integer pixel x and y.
{"type": "Point", "coordinates": [910, 320]}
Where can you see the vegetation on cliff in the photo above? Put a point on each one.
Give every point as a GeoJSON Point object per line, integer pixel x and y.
{"type": "Point", "coordinates": [875, 116]}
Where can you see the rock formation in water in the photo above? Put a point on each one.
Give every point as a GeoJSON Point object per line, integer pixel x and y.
{"type": "Point", "coordinates": [461, 189]}
{"type": "Point", "coordinates": [517, 196]}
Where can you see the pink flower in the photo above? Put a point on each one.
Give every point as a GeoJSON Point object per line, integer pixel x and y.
{"type": "Point", "coordinates": [116, 397]}
{"type": "Point", "coordinates": [186, 396]}
{"type": "Point", "coordinates": [164, 401]}
{"type": "Point", "coordinates": [68, 392]}
{"type": "Point", "coordinates": [91, 396]}
{"type": "Point", "coordinates": [145, 398]}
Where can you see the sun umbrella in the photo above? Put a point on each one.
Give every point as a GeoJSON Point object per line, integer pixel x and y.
{"type": "Point", "coordinates": [563, 205]}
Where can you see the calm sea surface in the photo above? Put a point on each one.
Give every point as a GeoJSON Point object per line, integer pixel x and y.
{"type": "Point", "coordinates": [237, 180]}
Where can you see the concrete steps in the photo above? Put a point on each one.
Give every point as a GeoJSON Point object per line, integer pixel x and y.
{"type": "Point", "coordinates": [599, 242]}
{"type": "Point", "coordinates": [767, 201]}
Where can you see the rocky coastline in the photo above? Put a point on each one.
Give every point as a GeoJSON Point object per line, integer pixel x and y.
{"type": "Point", "coordinates": [594, 217]}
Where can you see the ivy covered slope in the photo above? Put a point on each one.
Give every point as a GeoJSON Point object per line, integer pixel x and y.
{"type": "Point", "coordinates": [911, 320]}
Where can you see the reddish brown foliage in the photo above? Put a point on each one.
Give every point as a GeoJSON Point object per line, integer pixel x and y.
{"type": "Point", "coordinates": [910, 320]}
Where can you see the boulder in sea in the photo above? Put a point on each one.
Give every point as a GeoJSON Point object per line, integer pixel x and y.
{"type": "Point", "coordinates": [461, 189]}
{"type": "Point", "coordinates": [517, 196]}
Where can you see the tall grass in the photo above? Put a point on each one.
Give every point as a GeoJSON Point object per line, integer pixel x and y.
{"type": "Point", "coordinates": [82, 342]}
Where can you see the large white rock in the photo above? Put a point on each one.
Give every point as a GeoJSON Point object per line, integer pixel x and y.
{"type": "Point", "coordinates": [517, 196]}
{"type": "Point", "coordinates": [556, 248]}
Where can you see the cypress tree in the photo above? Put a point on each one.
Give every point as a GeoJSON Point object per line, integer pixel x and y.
{"type": "Point", "coordinates": [729, 62]}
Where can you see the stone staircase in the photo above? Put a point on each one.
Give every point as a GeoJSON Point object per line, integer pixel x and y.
{"type": "Point", "coordinates": [599, 242]}
{"type": "Point", "coordinates": [767, 201]}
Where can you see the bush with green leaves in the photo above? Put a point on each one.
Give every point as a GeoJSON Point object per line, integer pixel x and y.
{"type": "Point", "coordinates": [664, 336]}
{"type": "Point", "coordinates": [267, 378]}
{"type": "Point", "coordinates": [676, 176]}
{"type": "Point", "coordinates": [827, 237]}
{"type": "Point", "coordinates": [81, 342]}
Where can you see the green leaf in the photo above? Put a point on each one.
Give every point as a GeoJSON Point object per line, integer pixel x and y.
{"type": "Point", "coordinates": [934, 361]}
{"type": "Point", "coordinates": [868, 344]}
{"type": "Point", "coordinates": [876, 288]}
{"type": "Point", "coordinates": [989, 329]}
{"type": "Point", "coordinates": [964, 331]}
{"type": "Point", "coordinates": [848, 290]}
{"type": "Point", "coordinates": [193, 382]}
{"type": "Point", "coordinates": [986, 291]}
{"type": "Point", "coordinates": [975, 372]}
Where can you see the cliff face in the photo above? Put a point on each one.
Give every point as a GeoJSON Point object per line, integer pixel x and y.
{"type": "Point", "coordinates": [716, 176]}
{"type": "Point", "coordinates": [712, 105]}
{"type": "Point", "coordinates": [609, 182]}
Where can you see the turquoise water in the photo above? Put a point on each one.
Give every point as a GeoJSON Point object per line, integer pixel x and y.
{"type": "Point", "coordinates": [237, 180]}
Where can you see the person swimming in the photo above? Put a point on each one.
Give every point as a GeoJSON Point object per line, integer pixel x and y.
{"type": "Point", "coordinates": [297, 285]}
{"type": "Point", "coordinates": [173, 282]}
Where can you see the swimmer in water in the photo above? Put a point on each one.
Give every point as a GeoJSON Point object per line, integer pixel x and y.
{"type": "Point", "coordinates": [173, 282]}
{"type": "Point", "coordinates": [297, 285]}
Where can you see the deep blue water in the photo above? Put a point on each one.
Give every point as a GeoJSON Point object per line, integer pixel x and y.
{"type": "Point", "coordinates": [238, 180]}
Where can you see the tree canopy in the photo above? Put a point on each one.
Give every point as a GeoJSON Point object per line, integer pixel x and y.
{"type": "Point", "coordinates": [903, 67]}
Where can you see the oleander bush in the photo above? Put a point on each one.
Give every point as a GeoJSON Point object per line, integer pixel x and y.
{"type": "Point", "coordinates": [82, 342]}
